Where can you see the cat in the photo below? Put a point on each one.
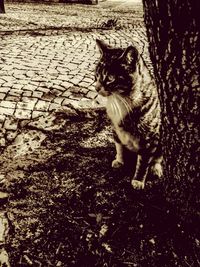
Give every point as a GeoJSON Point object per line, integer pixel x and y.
{"type": "Point", "coordinates": [133, 107]}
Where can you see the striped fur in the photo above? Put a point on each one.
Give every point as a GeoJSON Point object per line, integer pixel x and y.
{"type": "Point", "coordinates": [133, 108]}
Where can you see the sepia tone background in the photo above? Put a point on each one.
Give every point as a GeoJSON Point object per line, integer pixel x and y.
{"type": "Point", "coordinates": [60, 202]}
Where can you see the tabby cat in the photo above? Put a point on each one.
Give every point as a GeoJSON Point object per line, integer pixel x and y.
{"type": "Point", "coordinates": [133, 108]}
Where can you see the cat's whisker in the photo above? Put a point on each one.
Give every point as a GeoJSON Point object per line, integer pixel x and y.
{"type": "Point", "coordinates": [122, 100]}
{"type": "Point", "coordinates": [114, 106]}
{"type": "Point", "coordinates": [118, 108]}
{"type": "Point", "coordinates": [129, 109]}
{"type": "Point", "coordinates": [126, 104]}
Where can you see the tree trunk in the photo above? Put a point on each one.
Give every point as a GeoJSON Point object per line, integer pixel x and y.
{"type": "Point", "coordinates": [173, 33]}
{"type": "Point", "coordinates": [2, 8]}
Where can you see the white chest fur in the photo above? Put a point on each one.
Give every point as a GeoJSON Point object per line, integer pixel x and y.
{"type": "Point", "coordinates": [117, 110]}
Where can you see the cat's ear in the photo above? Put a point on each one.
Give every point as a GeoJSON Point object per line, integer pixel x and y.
{"type": "Point", "coordinates": [103, 47]}
{"type": "Point", "coordinates": [130, 55]}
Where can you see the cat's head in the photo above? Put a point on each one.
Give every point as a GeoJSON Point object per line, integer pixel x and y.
{"type": "Point", "coordinates": [115, 69]}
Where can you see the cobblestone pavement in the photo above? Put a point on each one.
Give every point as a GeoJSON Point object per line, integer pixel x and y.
{"type": "Point", "coordinates": [48, 54]}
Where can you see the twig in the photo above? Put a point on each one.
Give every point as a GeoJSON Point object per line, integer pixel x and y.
{"type": "Point", "coordinates": [197, 258]}
{"type": "Point", "coordinates": [188, 263]}
{"type": "Point", "coordinates": [28, 260]}
{"type": "Point", "coordinates": [58, 249]}
{"type": "Point", "coordinates": [129, 263]}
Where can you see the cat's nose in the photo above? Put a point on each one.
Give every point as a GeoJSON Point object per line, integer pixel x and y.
{"type": "Point", "coordinates": [101, 89]}
{"type": "Point", "coordinates": [98, 86]}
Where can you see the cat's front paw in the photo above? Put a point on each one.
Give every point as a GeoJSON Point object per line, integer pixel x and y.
{"type": "Point", "coordinates": [117, 164]}
{"type": "Point", "coordinates": [137, 185]}
{"type": "Point", "coordinates": [157, 170]}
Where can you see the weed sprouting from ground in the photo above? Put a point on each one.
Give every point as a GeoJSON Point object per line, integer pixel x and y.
{"type": "Point", "coordinates": [110, 24]}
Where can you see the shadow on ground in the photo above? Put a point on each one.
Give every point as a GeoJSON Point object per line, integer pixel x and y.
{"type": "Point", "coordinates": [67, 207]}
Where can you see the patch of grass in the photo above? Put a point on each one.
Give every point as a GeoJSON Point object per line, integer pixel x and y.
{"type": "Point", "coordinates": [110, 24]}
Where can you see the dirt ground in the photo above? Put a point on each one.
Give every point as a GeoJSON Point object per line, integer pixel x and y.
{"type": "Point", "coordinates": [67, 207]}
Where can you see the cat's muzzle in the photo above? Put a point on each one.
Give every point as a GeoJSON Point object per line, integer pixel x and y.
{"type": "Point", "coordinates": [101, 90]}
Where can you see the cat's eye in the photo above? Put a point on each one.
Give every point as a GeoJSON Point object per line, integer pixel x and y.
{"type": "Point", "coordinates": [121, 78]}
{"type": "Point", "coordinates": [110, 78]}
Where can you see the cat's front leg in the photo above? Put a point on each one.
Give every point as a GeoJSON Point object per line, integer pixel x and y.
{"type": "Point", "coordinates": [142, 167]}
{"type": "Point", "coordinates": [118, 162]}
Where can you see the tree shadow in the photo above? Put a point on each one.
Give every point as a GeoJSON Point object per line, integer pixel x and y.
{"type": "Point", "coordinates": [75, 210]}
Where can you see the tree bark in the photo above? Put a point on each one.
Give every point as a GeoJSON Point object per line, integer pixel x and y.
{"type": "Point", "coordinates": [174, 45]}
{"type": "Point", "coordinates": [2, 8]}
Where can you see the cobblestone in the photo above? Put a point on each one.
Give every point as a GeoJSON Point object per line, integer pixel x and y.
{"type": "Point", "coordinates": [11, 124]}
{"type": "Point", "coordinates": [42, 105]}
{"type": "Point", "coordinates": [7, 104]}
{"type": "Point", "coordinates": [2, 118]}
{"type": "Point", "coordinates": [2, 96]}
{"type": "Point", "coordinates": [23, 114]}
{"type": "Point", "coordinates": [7, 111]}
{"type": "Point", "coordinates": [36, 114]}
{"type": "Point", "coordinates": [50, 64]}
{"type": "Point", "coordinates": [91, 94]}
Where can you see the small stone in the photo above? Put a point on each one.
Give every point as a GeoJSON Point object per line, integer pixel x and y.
{"type": "Point", "coordinates": [197, 242]}
{"type": "Point", "coordinates": [103, 231]}
{"type": "Point", "coordinates": [152, 241]}
{"type": "Point", "coordinates": [10, 135]}
{"type": "Point", "coordinates": [11, 124]}
{"type": "Point", "coordinates": [107, 247]}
